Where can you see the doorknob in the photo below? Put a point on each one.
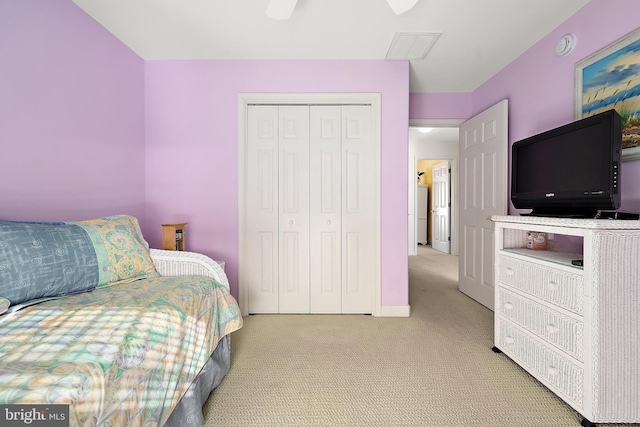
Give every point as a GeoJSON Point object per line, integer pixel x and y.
{"type": "Point", "coordinates": [290, 222]}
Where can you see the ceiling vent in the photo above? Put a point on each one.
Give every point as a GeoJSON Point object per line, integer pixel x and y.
{"type": "Point", "coordinates": [412, 45]}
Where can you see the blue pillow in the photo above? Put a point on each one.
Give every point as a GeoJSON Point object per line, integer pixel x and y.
{"type": "Point", "coordinates": [40, 260]}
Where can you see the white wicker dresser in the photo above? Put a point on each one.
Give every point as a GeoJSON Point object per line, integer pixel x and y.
{"type": "Point", "coordinates": [575, 329]}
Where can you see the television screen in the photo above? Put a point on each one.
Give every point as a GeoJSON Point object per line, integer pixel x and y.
{"type": "Point", "coordinates": [571, 170]}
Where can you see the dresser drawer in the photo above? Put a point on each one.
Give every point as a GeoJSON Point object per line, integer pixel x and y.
{"type": "Point", "coordinates": [558, 329]}
{"type": "Point", "coordinates": [554, 369]}
{"type": "Point", "coordinates": [550, 284]}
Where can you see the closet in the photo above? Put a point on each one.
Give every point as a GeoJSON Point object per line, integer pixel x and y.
{"type": "Point", "coordinates": [311, 205]}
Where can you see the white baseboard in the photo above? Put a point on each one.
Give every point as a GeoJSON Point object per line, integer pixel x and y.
{"type": "Point", "coordinates": [394, 311]}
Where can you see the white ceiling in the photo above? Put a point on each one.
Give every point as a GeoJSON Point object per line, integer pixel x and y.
{"type": "Point", "coordinates": [479, 37]}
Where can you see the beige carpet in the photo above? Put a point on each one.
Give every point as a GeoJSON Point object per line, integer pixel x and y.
{"type": "Point", "coordinates": [435, 368]}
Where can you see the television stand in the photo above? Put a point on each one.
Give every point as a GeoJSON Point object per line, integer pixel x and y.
{"type": "Point", "coordinates": [574, 329]}
{"type": "Point", "coordinates": [618, 215]}
{"type": "Point", "coordinates": [573, 213]}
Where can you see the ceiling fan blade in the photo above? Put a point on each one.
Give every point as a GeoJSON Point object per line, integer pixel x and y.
{"type": "Point", "coordinates": [281, 9]}
{"type": "Point", "coordinates": [401, 6]}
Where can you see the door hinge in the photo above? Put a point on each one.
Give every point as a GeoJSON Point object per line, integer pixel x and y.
{"type": "Point", "coordinates": [449, 238]}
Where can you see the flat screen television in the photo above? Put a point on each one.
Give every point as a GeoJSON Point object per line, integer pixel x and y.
{"type": "Point", "coordinates": [570, 171]}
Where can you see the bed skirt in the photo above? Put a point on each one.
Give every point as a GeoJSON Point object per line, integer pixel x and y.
{"type": "Point", "coordinates": [189, 409]}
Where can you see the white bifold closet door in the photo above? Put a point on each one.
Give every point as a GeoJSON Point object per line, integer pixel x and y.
{"type": "Point", "coordinates": [325, 168]}
{"type": "Point", "coordinates": [311, 209]}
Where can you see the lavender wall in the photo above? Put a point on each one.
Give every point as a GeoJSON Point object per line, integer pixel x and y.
{"type": "Point", "coordinates": [192, 151]}
{"type": "Point", "coordinates": [540, 85]}
{"type": "Point", "coordinates": [71, 116]}
{"type": "Point", "coordinates": [440, 105]}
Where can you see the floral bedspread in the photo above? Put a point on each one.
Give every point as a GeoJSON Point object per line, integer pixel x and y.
{"type": "Point", "coordinates": [119, 355]}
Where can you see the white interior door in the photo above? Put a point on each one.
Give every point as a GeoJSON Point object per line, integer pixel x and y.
{"type": "Point", "coordinates": [293, 188]}
{"type": "Point", "coordinates": [262, 210]}
{"type": "Point", "coordinates": [326, 209]}
{"type": "Point", "coordinates": [483, 190]}
{"type": "Point", "coordinates": [441, 204]}
{"type": "Point", "coordinates": [311, 218]}
{"type": "Point", "coordinates": [359, 200]}
{"type": "Point", "coordinates": [422, 208]}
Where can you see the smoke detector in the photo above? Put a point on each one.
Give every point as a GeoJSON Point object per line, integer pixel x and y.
{"type": "Point", "coordinates": [565, 45]}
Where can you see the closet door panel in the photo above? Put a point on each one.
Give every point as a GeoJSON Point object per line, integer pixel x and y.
{"type": "Point", "coordinates": [325, 204]}
{"type": "Point", "coordinates": [359, 209]}
{"type": "Point", "coordinates": [262, 209]}
{"type": "Point", "coordinates": [294, 209]}
{"type": "Point", "coordinates": [311, 209]}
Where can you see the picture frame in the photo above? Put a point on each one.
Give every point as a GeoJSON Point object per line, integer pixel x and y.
{"type": "Point", "coordinates": [610, 79]}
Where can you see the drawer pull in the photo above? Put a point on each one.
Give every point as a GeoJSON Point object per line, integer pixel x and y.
{"type": "Point", "coordinates": [552, 286]}
{"type": "Point", "coordinates": [508, 306]}
{"type": "Point", "coordinates": [509, 272]}
{"type": "Point", "coordinates": [508, 340]}
{"type": "Point", "coordinates": [552, 329]}
{"type": "Point", "coordinates": [553, 371]}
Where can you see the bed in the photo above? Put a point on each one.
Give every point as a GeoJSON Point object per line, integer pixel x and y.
{"type": "Point", "coordinates": [137, 352]}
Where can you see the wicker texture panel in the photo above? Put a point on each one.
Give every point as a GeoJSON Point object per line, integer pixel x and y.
{"type": "Point", "coordinates": [594, 224]}
{"type": "Point", "coordinates": [616, 320]}
{"type": "Point", "coordinates": [180, 263]}
{"type": "Point", "coordinates": [553, 369]}
{"type": "Point", "coordinates": [558, 329]}
{"type": "Point", "coordinates": [514, 238]}
{"type": "Point", "coordinates": [559, 287]}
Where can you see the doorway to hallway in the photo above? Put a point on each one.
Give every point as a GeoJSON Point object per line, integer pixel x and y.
{"type": "Point", "coordinates": [427, 149]}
